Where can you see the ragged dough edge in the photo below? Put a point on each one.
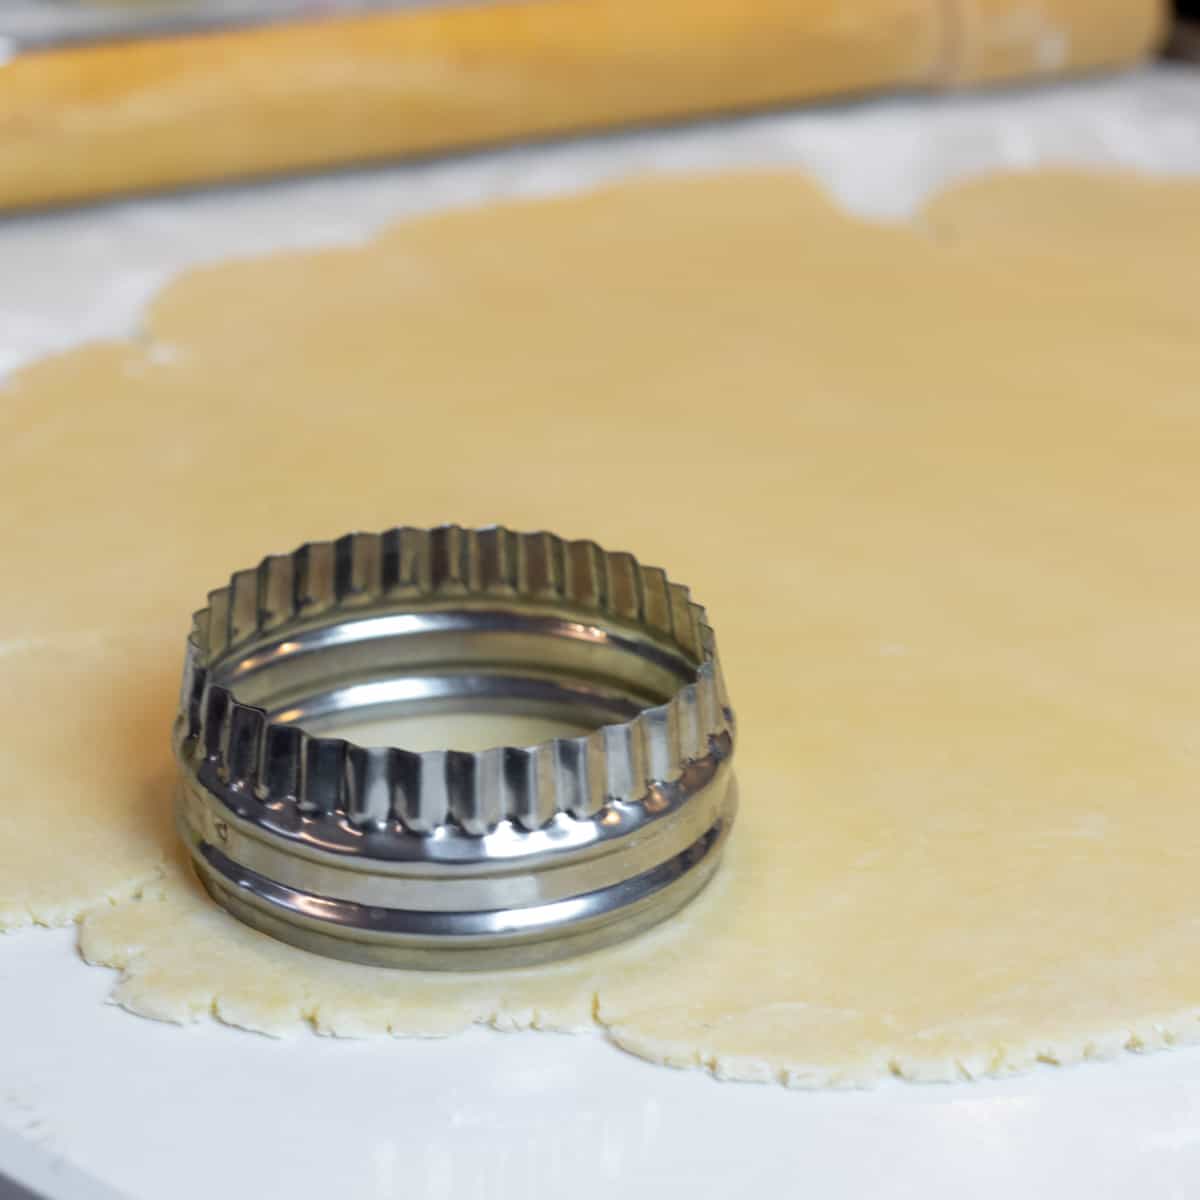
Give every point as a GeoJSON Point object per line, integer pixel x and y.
{"type": "Point", "coordinates": [146, 990]}
{"type": "Point", "coordinates": [72, 906]}
{"type": "Point", "coordinates": [138, 991]}
{"type": "Point", "coordinates": [143, 990]}
{"type": "Point", "coordinates": [1104, 1045]}
{"type": "Point", "coordinates": [71, 910]}
{"type": "Point", "coordinates": [275, 1002]}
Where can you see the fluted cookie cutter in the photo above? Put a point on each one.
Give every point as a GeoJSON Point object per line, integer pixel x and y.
{"type": "Point", "coordinates": [449, 859]}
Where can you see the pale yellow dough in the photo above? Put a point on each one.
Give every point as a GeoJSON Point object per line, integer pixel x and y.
{"type": "Point", "coordinates": [937, 484]}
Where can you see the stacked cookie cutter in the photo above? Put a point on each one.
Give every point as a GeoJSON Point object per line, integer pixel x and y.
{"type": "Point", "coordinates": [451, 859]}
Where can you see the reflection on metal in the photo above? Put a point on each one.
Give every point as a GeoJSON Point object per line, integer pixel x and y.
{"type": "Point", "coordinates": [449, 858]}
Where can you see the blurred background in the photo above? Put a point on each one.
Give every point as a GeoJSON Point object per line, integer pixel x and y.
{"type": "Point", "coordinates": [103, 97]}
{"type": "Point", "coordinates": [138, 137]}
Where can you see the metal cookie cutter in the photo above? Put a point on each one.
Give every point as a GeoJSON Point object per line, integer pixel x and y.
{"type": "Point", "coordinates": [449, 859]}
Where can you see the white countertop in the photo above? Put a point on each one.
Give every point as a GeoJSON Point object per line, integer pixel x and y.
{"type": "Point", "coordinates": [157, 1111]}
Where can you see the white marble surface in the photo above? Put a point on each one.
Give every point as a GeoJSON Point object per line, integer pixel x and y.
{"type": "Point", "coordinates": [157, 1111]}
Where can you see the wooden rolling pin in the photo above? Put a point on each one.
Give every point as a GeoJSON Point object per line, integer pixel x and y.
{"type": "Point", "coordinates": [165, 108]}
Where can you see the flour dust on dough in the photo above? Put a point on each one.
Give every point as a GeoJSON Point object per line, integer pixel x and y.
{"type": "Point", "coordinates": [935, 482]}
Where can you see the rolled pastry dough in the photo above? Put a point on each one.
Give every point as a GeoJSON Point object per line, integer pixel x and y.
{"type": "Point", "coordinates": [936, 483]}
